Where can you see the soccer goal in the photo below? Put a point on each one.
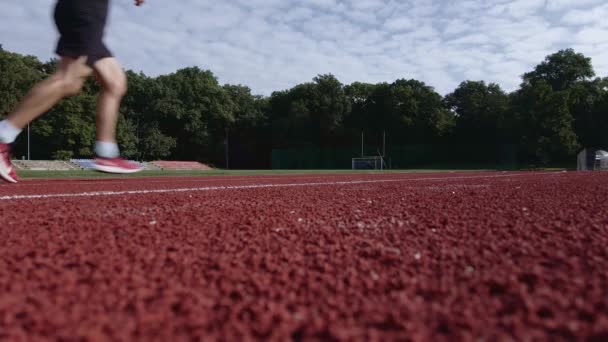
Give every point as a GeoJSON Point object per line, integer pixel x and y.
{"type": "Point", "coordinates": [368, 163]}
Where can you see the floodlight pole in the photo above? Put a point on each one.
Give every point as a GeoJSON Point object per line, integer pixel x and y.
{"type": "Point", "coordinates": [383, 147]}
{"type": "Point", "coordinates": [28, 141]}
{"type": "Point", "coordinates": [384, 144]}
{"type": "Point", "coordinates": [361, 144]}
{"type": "Point", "coordinates": [227, 146]}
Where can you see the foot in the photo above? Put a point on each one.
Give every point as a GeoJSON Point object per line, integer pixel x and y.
{"type": "Point", "coordinates": [115, 165]}
{"type": "Point", "coordinates": [7, 171]}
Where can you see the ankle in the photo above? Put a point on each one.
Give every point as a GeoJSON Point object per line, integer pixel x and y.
{"type": "Point", "coordinates": [106, 149]}
{"type": "Point", "coordinates": [8, 132]}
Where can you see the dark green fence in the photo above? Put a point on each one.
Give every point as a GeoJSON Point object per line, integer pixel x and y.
{"type": "Point", "coordinates": [431, 156]}
{"type": "Point", "coordinates": [313, 158]}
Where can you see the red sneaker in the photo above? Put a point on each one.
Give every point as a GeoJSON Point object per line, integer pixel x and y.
{"type": "Point", "coordinates": [115, 165]}
{"type": "Point", "coordinates": [7, 171]}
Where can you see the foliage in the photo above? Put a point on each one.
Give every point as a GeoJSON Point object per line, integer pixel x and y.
{"type": "Point", "coordinates": [558, 108]}
{"type": "Point", "coordinates": [62, 155]}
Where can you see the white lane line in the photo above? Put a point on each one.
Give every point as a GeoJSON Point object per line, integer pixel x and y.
{"type": "Point", "coordinates": [168, 179]}
{"type": "Point", "coordinates": [253, 186]}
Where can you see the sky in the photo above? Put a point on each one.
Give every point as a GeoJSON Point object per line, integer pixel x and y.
{"type": "Point", "coordinates": [272, 45]}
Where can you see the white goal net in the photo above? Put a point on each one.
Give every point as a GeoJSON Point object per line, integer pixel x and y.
{"type": "Point", "coordinates": [368, 163]}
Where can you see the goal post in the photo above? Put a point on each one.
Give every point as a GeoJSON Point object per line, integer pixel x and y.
{"type": "Point", "coordinates": [368, 163]}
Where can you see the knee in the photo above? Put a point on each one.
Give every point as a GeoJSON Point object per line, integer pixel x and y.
{"type": "Point", "coordinates": [71, 86]}
{"type": "Point", "coordinates": [116, 86]}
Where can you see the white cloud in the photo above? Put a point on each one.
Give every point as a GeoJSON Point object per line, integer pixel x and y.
{"type": "Point", "coordinates": [592, 36]}
{"type": "Point", "coordinates": [561, 5]}
{"type": "Point", "coordinates": [595, 16]}
{"type": "Point", "coordinates": [275, 44]}
{"type": "Point", "coordinates": [397, 24]}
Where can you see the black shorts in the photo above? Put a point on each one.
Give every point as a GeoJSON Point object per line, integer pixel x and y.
{"type": "Point", "coordinates": [81, 24]}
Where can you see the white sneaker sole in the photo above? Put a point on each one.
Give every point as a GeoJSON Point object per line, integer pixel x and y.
{"type": "Point", "coordinates": [114, 169]}
{"type": "Point", "coordinates": [5, 172]}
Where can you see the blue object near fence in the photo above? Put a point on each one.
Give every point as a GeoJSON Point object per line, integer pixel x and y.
{"type": "Point", "coordinates": [87, 164]}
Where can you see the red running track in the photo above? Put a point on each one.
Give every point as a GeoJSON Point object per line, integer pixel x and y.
{"type": "Point", "coordinates": [448, 256]}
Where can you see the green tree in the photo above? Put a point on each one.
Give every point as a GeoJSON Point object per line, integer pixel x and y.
{"type": "Point", "coordinates": [409, 110]}
{"type": "Point", "coordinates": [188, 115]}
{"type": "Point", "coordinates": [310, 113]}
{"type": "Point", "coordinates": [17, 75]}
{"type": "Point", "coordinates": [561, 70]}
{"type": "Point", "coordinates": [555, 102]}
{"type": "Point", "coordinates": [545, 123]}
{"type": "Point", "coordinates": [246, 109]}
{"type": "Point", "coordinates": [74, 125]}
{"type": "Point", "coordinates": [154, 144]}
{"type": "Point", "coordinates": [585, 101]}
{"type": "Point", "coordinates": [480, 112]}
{"type": "Point", "coordinates": [600, 116]}
{"type": "Point", "coordinates": [195, 110]}
{"type": "Point", "coordinates": [328, 105]}
{"type": "Point", "coordinates": [247, 137]}
{"type": "Point", "coordinates": [126, 136]}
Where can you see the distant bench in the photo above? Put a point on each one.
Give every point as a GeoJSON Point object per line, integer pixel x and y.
{"type": "Point", "coordinates": [180, 165]}
{"type": "Point", "coordinates": [87, 164]}
{"type": "Point", "coordinates": [45, 165]}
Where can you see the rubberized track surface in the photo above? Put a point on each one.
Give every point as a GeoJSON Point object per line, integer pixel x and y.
{"type": "Point", "coordinates": [456, 256]}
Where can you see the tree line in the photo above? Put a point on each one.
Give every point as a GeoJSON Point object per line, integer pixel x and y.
{"type": "Point", "coordinates": [560, 107]}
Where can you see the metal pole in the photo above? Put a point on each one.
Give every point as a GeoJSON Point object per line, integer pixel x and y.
{"type": "Point", "coordinates": [361, 144]}
{"type": "Point", "coordinates": [384, 144]}
{"type": "Point", "coordinates": [227, 156]}
{"type": "Point", "coordinates": [383, 147]}
{"type": "Point", "coordinates": [28, 141]}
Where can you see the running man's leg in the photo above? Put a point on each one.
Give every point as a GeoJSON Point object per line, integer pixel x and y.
{"type": "Point", "coordinates": [66, 81]}
{"type": "Point", "coordinates": [113, 83]}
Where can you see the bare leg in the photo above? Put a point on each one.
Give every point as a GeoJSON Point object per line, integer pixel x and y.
{"type": "Point", "coordinates": [67, 80]}
{"type": "Point", "coordinates": [114, 86]}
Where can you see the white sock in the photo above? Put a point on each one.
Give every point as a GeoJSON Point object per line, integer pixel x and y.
{"type": "Point", "coordinates": [106, 149]}
{"type": "Point", "coordinates": [8, 132]}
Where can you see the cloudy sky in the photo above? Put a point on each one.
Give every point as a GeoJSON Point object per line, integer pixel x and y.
{"type": "Point", "coordinates": [274, 44]}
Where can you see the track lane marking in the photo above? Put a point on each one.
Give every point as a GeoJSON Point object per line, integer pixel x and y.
{"type": "Point", "coordinates": [254, 186]}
